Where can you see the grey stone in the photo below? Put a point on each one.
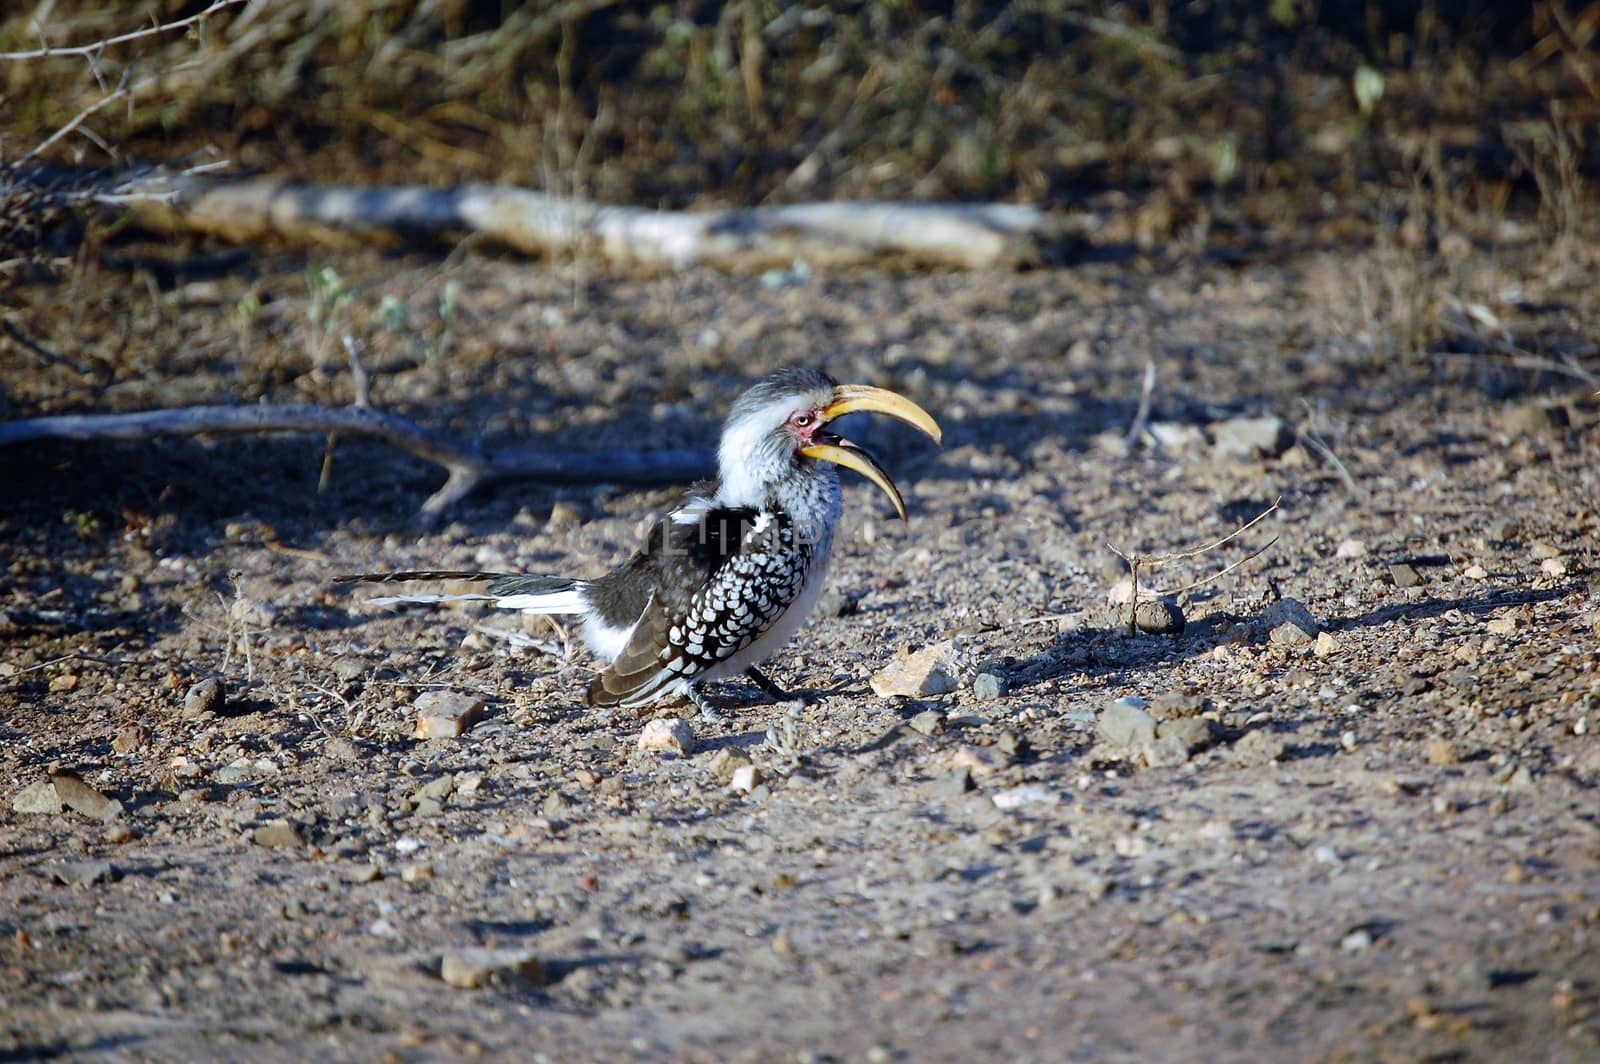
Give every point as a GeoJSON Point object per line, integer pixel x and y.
{"type": "Point", "coordinates": [204, 698]}
{"type": "Point", "coordinates": [986, 686]}
{"type": "Point", "coordinates": [84, 873]}
{"type": "Point", "coordinates": [1250, 437]}
{"type": "Point", "coordinates": [1125, 723]}
{"type": "Point", "coordinates": [1289, 623]}
{"type": "Point", "coordinates": [38, 797]}
{"type": "Point", "coordinates": [928, 722]}
{"type": "Point", "coordinates": [1194, 733]}
{"type": "Point", "coordinates": [473, 968]}
{"type": "Point", "coordinates": [1404, 575]}
{"type": "Point", "coordinates": [280, 834]}
{"type": "Point", "coordinates": [1259, 747]}
{"type": "Point", "coordinates": [82, 798]}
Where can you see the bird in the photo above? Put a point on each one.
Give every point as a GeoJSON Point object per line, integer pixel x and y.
{"type": "Point", "coordinates": [726, 578]}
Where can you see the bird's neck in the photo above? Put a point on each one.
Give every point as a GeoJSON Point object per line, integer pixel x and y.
{"type": "Point", "coordinates": [808, 493]}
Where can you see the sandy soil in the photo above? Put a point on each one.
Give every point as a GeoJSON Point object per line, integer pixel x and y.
{"type": "Point", "coordinates": [1382, 841]}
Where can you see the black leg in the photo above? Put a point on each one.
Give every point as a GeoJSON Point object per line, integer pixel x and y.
{"type": "Point", "coordinates": [768, 688]}
{"type": "Point", "coordinates": [708, 712]}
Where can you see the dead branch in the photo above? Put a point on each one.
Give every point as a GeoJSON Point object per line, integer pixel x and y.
{"type": "Point", "coordinates": [823, 234]}
{"type": "Point", "coordinates": [95, 48]}
{"type": "Point", "coordinates": [1137, 561]}
{"type": "Point", "coordinates": [468, 467]}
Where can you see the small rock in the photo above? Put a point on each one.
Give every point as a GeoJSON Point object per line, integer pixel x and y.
{"type": "Point", "coordinates": [1177, 437]}
{"type": "Point", "coordinates": [84, 873]}
{"type": "Point", "coordinates": [563, 515]}
{"type": "Point", "coordinates": [976, 760]}
{"type": "Point", "coordinates": [1351, 548]}
{"type": "Point", "coordinates": [471, 969]}
{"type": "Point", "coordinates": [925, 673]}
{"type": "Point", "coordinates": [63, 682]}
{"type": "Point", "coordinates": [1356, 941]}
{"type": "Point", "coordinates": [1475, 572]}
{"type": "Point", "coordinates": [1125, 723]}
{"type": "Point", "coordinates": [1327, 646]}
{"type": "Point", "coordinates": [1403, 574]}
{"type": "Point", "coordinates": [1259, 747]}
{"type": "Point", "coordinates": [1289, 623]}
{"type": "Point", "coordinates": [556, 806]}
{"type": "Point", "coordinates": [436, 791]}
{"type": "Point", "coordinates": [1250, 437]}
{"type": "Point", "coordinates": [1534, 419]}
{"type": "Point", "coordinates": [38, 797]}
{"type": "Point", "coordinates": [1027, 794]}
{"type": "Point", "coordinates": [953, 784]}
{"type": "Point", "coordinates": [82, 798]}
{"type": "Point", "coordinates": [427, 807]}
{"type": "Point", "coordinates": [667, 735]}
{"type": "Point", "coordinates": [367, 873]}
{"type": "Point", "coordinates": [1543, 548]}
{"type": "Point", "coordinates": [280, 834]}
{"type": "Point", "coordinates": [1554, 567]}
{"type": "Point", "coordinates": [1166, 751]}
{"type": "Point", "coordinates": [1012, 746]}
{"type": "Point", "coordinates": [928, 722]}
{"type": "Point", "coordinates": [204, 698]}
{"type": "Point", "coordinates": [1441, 751]}
{"type": "Point", "coordinates": [1158, 616]}
{"type": "Point", "coordinates": [1194, 734]}
{"type": "Point", "coordinates": [986, 687]}
{"type": "Point", "coordinates": [446, 714]}
{"type": "Point", "coordinates": [1505, 624]}
{"type": "Point", "coordinates": [726, 762]}
{"type": "Point", "coordinates": [1187, 702]}
{"type": "Point", "coordinates": [416, 873]}
{"type": "Point", "coordinates": [130, 738]}
{"type": "Point", "coordinates": [745, 779]}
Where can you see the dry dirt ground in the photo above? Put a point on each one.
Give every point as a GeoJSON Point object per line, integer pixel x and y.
{"type": "Point", "coordinates": [1379, 843]}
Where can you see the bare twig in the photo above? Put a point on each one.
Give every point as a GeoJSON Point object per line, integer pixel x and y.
{"type": "Point", "coordinates": [468, 466]}
{"type": "Point", "coordinates": [79, 119]}
{"type": "Point", "coordinates": [1137, 561]}
{"type": "Point", "coordinates": [1142, 415]}
{"type": "Point", "coordinates": [95, 48]}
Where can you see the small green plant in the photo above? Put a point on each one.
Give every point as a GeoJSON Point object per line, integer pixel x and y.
{"type": "Point", "coordinates": [243, 317]}
{"type": "Point", "coordinates": [329, 297]}
{"type": "Point", "coordinates": [84, 525]}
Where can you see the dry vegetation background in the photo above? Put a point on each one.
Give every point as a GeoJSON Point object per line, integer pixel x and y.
{"type": "Point", "coordinates": [1376, 222]}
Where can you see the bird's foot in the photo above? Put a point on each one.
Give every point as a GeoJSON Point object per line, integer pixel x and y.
{"type": "Point", "coordinates": [708, 712]}
{"type": "Point", "coordinates": [768, 688]}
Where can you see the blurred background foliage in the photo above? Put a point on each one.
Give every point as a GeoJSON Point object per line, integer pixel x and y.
{"type": "Point", "coordinates": [750, 101]}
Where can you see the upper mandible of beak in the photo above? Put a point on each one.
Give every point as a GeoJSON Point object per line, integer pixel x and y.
{"type": "Point", "coordinates": [862, 398]}
{"type": "Point", "coordinates": [865, 399]}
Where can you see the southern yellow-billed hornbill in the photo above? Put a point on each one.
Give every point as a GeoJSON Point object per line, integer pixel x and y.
{"type": "Point", "coordinates": [729, 576]}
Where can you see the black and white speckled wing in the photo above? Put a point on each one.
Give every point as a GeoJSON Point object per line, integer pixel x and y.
{"type": "Point", "coordinates": [722, 582]}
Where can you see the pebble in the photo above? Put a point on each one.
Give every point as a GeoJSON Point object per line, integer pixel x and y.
{"type": "Point", "coordinates": [471, 969]}
{"type": "Point", "coordinates": [1441, 752]}
{"type": "Point", "coordinates": [1259, 747]}
{"type": "Point", "coordinates": [1166, 751]}
{"type": "Point", "coordinates": [726, 762]}
{"type": "Point", "coordinates": [204, 698]}
{"type": "Point", "coordinates": [82, 798]}
{"type": "Point", "coordinates": [416, 873]}
{"type": "Point", "coordinates": [84, 873]}
{"type": "Point", "coordinates": [367, 873]}
{"type": "Point", "coordinates": [1351, 548]}
{"type": "Point", "coordinates": [279, 834]}
{"type": "Point", "coordinates": [1125, 723]}
{"type": "Point", "coordinates": [986, 687]}
{"type": "Point", "coordinates": [1327, 646]}
{"type": "Point", "coordinates": [667, 735]}
{"type": "Point", "coordinates": [130, 738]}
{"type": "Point", "coordinates": [1404, 574]}
{"type": "Point", "coordinates": [40, 797]}
{"type": "Point", "coordinates": [745, 779]}
{"type": "Point", "coordinates": [1194, 734]}
{"type": "Point", "coordinates": [1159, 617]}
{"type": "Point", "coordinates": [976, 760]}
{"type": "Point", "coordinates": [1475, 572]}
{"type": "Point", "coordinates": [1289, 623]}
{"type": "Point", "coordinates": [1249, 437]}
{"type": "Point", "coordinates": [1356, 941]}
{"type": "Point", "coordinates": [953, 784]}
{"type": "Point", "coordinates": [1553, 567]}
{"type": "Point", "coordinates": [928, 722]}
{"type": "Point", "coordinates": [443, 714]}
{"type": "Point", "coordinates": [926, 672]}
{"type": "Point", "coordinates": [1027, 794]}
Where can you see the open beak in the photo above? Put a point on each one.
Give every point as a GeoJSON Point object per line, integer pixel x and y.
{"type": "Point", "coordinates": [863, 399]}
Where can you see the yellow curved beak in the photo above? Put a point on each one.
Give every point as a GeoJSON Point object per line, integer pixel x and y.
{"type": "Point", "coordinates": [863, 399]}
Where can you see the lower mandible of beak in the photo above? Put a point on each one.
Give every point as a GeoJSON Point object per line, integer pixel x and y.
{"type": "Point", "coordinates": [842, 452]}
